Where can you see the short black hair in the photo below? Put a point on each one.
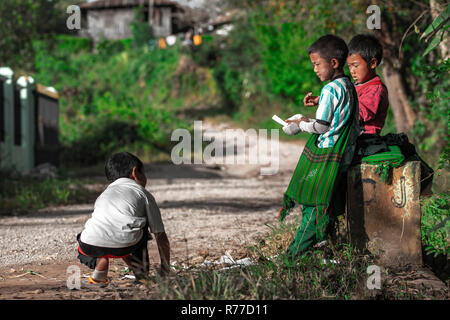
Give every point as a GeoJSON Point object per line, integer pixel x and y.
{"type": "Point", "coordinates": [367, 46]}
{"type": "Point", "coordinates": [329, 47]}
{"type": "Point", "coordinates": [120, 165]}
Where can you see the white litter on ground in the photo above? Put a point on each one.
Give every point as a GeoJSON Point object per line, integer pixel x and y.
{"type": "Point", "coordinates": [229, 260]}
{"type": "Point", "coordinates": [325, 261]}
{"type": "Point", "coordinates": [226, 259]}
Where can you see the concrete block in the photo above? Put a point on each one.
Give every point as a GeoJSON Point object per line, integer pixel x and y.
{"type": "Point", "coordinates": [385, 218]}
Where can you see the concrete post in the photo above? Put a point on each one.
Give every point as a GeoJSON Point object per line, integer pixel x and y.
{"type": "Point", "coordinates": [28, 122]}
{"type": "Point", "coordinates": [385, 218]}
{"type": "Point", "coordinates": [6, 155]}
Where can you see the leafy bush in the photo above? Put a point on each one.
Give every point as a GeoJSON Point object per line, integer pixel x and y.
{"type": "Point", "coordinates": [234, 59]}
{"type": "Point", "coordinates": [284, 52]}
{"type": "Point", "coordinates": [97, 140]}
{"type": "Point", "coordinates": [431, 129]}
{"type": "Point", "coordinates": [21, 194]}
{"type": "Point", "coordinates": [141, 30]}
{"type": "Point", "coordinates": [111, 99]}
{"type": "Point", "coordinates": [245, 70]}
{"type": "Point", "coordinates": [436, 224]}
{"type": "Point", "coordinates": [22, 22]}
{"type": "Point", "coordinates": [110, 47]}
{"type": "Point", "coordinates": [67, 44]}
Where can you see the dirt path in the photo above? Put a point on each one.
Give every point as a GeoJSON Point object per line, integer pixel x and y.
{"type": "Point", "coordinates": [207, 210]}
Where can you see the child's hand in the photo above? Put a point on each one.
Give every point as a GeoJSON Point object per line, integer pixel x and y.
{"type": "Point", "coordinates": [310, 101]}
{"type": "Point", "coordinates": [297, 121]}
{"type": "Point", "coordinates": [292, 129]}
{"type": "Point", "coordinates": [294, 117]}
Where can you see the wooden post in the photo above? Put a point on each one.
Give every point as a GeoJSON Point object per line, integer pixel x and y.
{"type": "Point", "coordinates": [385, 218]}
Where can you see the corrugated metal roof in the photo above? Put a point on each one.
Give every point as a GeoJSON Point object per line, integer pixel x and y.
{"type": "Point", "coordinates": [100, 4]}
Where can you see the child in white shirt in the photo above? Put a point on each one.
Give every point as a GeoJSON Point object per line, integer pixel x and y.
{"type": "Point", "coordinates": [123, 216]}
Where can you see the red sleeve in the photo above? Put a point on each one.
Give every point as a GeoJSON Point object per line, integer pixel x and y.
{"type": "Point", "coordinates": [371, 101]}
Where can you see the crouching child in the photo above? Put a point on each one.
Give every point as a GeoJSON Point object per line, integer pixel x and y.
{"type": "Point", "coordinates": [124, 217]}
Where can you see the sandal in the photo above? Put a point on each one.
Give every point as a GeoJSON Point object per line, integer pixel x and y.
{"type": "Point", "coordinates": [104, 282]}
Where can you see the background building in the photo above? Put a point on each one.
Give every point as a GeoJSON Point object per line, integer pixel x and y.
{"type": "Point", "coordinates": [112, 19]}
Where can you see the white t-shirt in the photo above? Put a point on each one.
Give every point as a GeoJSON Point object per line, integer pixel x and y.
{"type": "Point", "coordinates": [120, 214]}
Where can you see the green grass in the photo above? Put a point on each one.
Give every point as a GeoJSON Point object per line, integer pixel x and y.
{"type": "Point", "coordinates": [275, 276]}
{"type": "Point", "coordinates": [23, 194]}
{"type": "Point", "coordinates": [306, 277]}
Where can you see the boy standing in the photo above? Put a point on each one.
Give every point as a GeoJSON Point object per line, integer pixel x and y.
{"type": "Point", "coordinates": [329, 150]}
{"type": "Point", "coordinates": [123, 215]}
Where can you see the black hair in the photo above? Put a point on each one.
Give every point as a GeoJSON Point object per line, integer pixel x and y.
{"type": "Point", "coordinates": [329, 47]}
{"type": "Point", "coordinates": [367, 46]}
{"type": "Point", "coordinates": [120, 165]}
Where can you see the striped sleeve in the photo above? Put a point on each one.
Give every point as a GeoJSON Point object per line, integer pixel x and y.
{"type": "Point", "coordinates": [327, 103]}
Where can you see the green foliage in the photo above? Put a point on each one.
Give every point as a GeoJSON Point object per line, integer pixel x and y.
{"type": "Point", "coordinates": [206, 54]}
{"type": "Point", "coordinates": [437, 30]}
{"type": "Point", "coordinates": [109, 99]}
{"type": "Point", "coordinates": [285, 56]}
{"type": "Point", "coordinates": [22, 22]}
{"type": "Point", "coordinates": [98, 138]}
{"type": "Point", "coordinates": [430, 93]}
{"type": "Point", "coordinates": [436, 224]}
{"type": "Point", "coordinates": [67, 44]}
{"type": "Point", "coordinates": [243, 75]}
{"type": "Point", "coordinates": [236, 63]}
{"type": "Point", "coordinates": [285, 29]}
{"type": "Point", "coordinates": [262, 66]}
{"type": "Point", "coordinates": [431, 129]}
{"type": "Point", "coordinates": [19, 194]}
{"type": "Point", "coordinates": [141, 30]}
{"type": "Point", "coordinates": [109, 47]}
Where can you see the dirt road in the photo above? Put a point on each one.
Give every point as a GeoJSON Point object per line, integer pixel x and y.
{"type": "Point", "coordinates": [207, 210]}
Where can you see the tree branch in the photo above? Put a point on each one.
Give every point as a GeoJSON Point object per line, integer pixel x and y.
{"type": "Point", "coordinates": [407, 31]}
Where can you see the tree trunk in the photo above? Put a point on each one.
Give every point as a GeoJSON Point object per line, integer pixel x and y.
{"type": "Point", "coordinates": [403, 113]}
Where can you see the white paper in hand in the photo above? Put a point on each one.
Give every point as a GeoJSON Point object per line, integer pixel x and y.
{"type": "Point", "coordinates": [279, 120]}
